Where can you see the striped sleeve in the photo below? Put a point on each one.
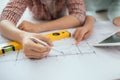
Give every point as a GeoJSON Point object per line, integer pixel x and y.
{"type": "Point", "coordinates": [13, 10]}
{"type": "Point", "coordinates": [76, 8]}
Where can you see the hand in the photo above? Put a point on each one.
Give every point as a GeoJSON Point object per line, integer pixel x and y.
{"type": "Point", "coordinates": [28, 26]}
{"type": "Point", "coordinates": [82, 33]}
{"type": "Point", "coordinates": [35, 50]}
{"type": "Point", "coordinates": [116, 21]}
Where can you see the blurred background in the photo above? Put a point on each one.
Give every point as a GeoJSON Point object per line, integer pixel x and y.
{"type": "Point", "coordinates": [100, 16]}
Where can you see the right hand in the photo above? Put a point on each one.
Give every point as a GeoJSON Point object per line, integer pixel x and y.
{"type": "Point", "coordinates": [35, 50]}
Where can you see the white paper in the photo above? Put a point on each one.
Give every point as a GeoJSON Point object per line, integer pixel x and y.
{"type": "Point", "coordinates": [82, 62]}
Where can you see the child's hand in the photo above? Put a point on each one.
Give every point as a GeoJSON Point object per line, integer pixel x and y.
{"type": "Point", "coordinates": [28, 26]}
{"type": "Point", "coordinates": [82, 33]}
{"type": "Point", "coordinates": [33, 49]}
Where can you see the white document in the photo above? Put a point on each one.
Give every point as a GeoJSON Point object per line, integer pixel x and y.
{"type": "Point", "coordinates": [81, 62]}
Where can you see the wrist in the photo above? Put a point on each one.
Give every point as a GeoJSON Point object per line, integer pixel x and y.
{"type": "Point", "coordinates": [22, 36]}
{"type": "Point", "coordinates": [88, 26]}
{"type": "Point", "coordinates": [42, 27]}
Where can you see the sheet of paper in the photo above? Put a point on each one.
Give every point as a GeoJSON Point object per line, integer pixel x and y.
{"type": "Point", "coordinates": [81, 62]}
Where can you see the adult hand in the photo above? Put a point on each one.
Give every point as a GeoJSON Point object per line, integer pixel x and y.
{"type": "Point", "coordinates": [35, 50]}
{"type": "Point", "coordinates": [82, 33]}
{"type": "Point", "coordinates": [29, 27]}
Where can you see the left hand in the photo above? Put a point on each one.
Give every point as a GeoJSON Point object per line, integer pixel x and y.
{"type": "Point", "coordinates": [82, 33]}
{"type": "Point", "coordinates": [28, 26]}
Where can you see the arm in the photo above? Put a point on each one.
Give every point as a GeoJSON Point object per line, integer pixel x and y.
{"type": "Point", "coordinates": [9, 18]}
{"type": "Point", "coordinates": [7, 27]}
{"type": "Point", "coordinates": [30, 48]}
{"type": "Point", "coordinates": [85, 31]}
{"type": "Point", "coordinates": [75, 18]}
{"type": "Point", "coordinates": [62, 23]}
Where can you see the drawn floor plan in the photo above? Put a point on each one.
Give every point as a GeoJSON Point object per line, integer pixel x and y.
{"type": "Point", "coordinates": [68, 45]}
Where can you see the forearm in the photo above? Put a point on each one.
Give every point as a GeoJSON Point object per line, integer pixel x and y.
{"type": "Point", "coordinates": [9, 30]}
{"type": "Point", "coordinates": [62, 23]}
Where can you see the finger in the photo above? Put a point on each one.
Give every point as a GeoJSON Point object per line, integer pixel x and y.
{"type": "Point", "coordinates": [87, 35]}
{"type": "Point", "coordinates": [75, 32]}
{"type": "Point", "coordinates": [36, 55]}
{"type": "Point", "coordinates": [20, 26]}
{"type": "Point", "coordinates": [33, 57]}
{"type": "Point", "coordinates": [32, 54]}
{"type": "Point", "coordinates": [80, 36]}
{"type": "Point", "coordinates": [38, 47]}
{"type": "Point", "coordinates": [45, 39]}
{"type": "Point", "coordinates": [79, 39]}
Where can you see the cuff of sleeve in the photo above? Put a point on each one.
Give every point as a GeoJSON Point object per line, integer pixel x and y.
{"type": "Point", "coordinates": [81, 18]}
{"type": "Point", "coordinates": [91, 13]}
{"type": "Point", "coordinates": [9, 17]}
